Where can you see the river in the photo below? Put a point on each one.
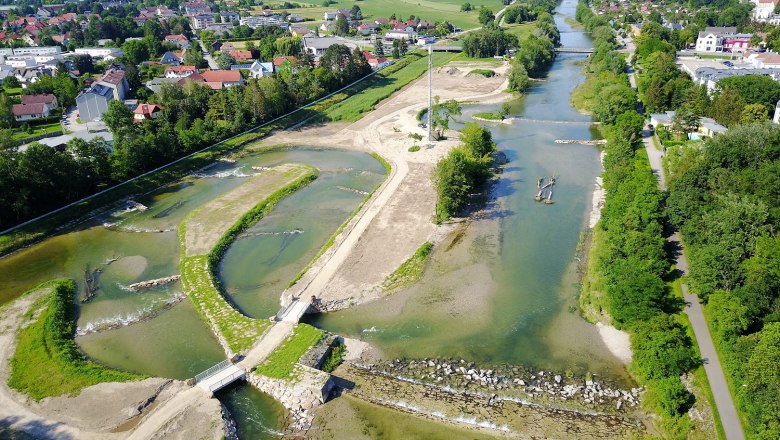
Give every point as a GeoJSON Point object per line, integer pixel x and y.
{"type": "Point", "coordinates": [501, 290]}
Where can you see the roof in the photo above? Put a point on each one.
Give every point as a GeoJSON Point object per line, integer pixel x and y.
{"type": "Point", "coordinates": [38, 99]}
{"type": "Point", "coordinates": [180, 69]}
{"type": "Point", "coordinates": [147, 109]}
{"type": "Point", "coordinates": [222, 76]}
{"type": "Point", "coordinates": [27, 109]}
{"type": "Point", "coordinates": [113, 76]}
{"type": "Point", "coordinates": [257, 66]}
{"type": "Point", "coordinates": [278, 61]}
{"type": "Point", "coordinates": [177, 37]}
{"type": "Point", "coordinates": [241, 54]}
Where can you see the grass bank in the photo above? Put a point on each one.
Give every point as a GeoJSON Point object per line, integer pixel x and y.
{"type": "Point", "coordinates": [47, 362]}
{"type": "Point", "coordinates": [236, 332]}
{"type": "Point", "coordinates": [281, 363]}
{"type": "Point", "coordinates": [410, 271]}
{"type": "Point", "coordinates": [366, 95]}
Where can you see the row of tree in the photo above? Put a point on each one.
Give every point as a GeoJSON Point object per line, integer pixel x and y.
{"type": "Point", "coordinates": [193, 117]}
{"type": "Point", "coordinates": [631, 259]}
{"type": "Point", "coordinates": [461, 174]}
{"type": "Point", "coordinates": [536, 53]}
{"type": "Point", "coordinates": [724, 197]}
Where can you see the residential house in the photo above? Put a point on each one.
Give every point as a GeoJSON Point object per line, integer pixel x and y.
{"type": "Point", "coordinates": [256, 21]}
{"type": "Point", "coordinates": [48, 100]}
{"type": "Point", "coordinates": [408, 35]}
{"type": "Point", "coordinates": [710, 76]}
{"type": "Point", "coordinates": [220, 79]}
{"type": "Point", "coordinates": [170, 58]}
{"type": "Point", "coordinates": [180, 71]}
{"type": "Point", "coordinates": [93, 102]}
{"type": "Point", "coordinates": [707, 126]}
{"type": "Point", "coordinates": [145, 112]}
{"type": "Point", "coordinates": [330, 16]}
{"type": "Point", "coordinates": [226, 47]}
{"type": "Point", "coordinates": [281, 62]}
{"type": "Point", "coordinates": [178, 40]}
{"type": "Point", "coordinates": [155, 84]}
{"type": "Point", "coordinates": [195, 8]}
{"type": "Point", "coordinates": [26, 112]}
{"type": "Point", "coordinates": [318, 45]}
{"type": "Point", "coordinates": [260, 70]}
{"type": "Point", "coordinates": [241, 55]}
{"type": "Point", "coordinates": [764, 9]}
{"type": "Point", "coordinates": [367, 28]}
{"type": "Point", "coordinates": [762, 60]}
{"type": "Point", "coordinates": [215, 46]}
{"type": "Point", "coordinates": [202, 21]}
{"type": "Point", "coordinates": [229, 16]}
{"type": "Point", "coordinates": [722, 39]}
{"type": "Point", "coordinates": [114, 78]}
{"type": "Point", "coordinates": [41, 50]}
{"type": "Point", "coordinates": [300, 30]}
{"type": "Point", "coordinates": [376, 63]}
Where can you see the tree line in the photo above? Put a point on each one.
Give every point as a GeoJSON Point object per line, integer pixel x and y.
{"type": "Point", "coordinates": [536, 53]}
{"type": "Point", "coordinates": [724, 197]}
{"type": "Point", "coordinates": [631, 259]}
{"type": "Point", "coordinates": [194, 116]}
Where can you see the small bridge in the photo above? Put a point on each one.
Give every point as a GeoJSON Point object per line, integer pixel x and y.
{"type": "Point", "coordinates": [219, 376]}
{"type": "Point", "coordinates": [447, 48]}
{"type": "Point", "coordinates": [573, 50]}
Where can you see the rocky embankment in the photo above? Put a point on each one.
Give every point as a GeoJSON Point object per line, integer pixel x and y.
{"type": "Point", "coordinates": [154, 283]}
{"type": "Point", "coordinates": [513, 401]}
{"type": "Point", "coordinates": [564, 390]}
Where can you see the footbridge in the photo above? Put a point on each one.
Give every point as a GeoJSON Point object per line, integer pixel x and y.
{"type": "Point", "coordinates": [219, 376]}
{"type": "Point", "coordinates": [573, 50]}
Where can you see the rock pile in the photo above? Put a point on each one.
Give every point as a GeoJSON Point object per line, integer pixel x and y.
{"type": "Point", "coordinates": [513, 382]}
{"type": "Point", "coordinates": [153, 283]}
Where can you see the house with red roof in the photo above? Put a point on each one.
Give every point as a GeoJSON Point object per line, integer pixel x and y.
{"type": "Point", "coordinates": [241, 55]}
{"type": "Point", "coordinates": [145, 112]}
{"type": "Point", "coordinates": [220, 79]}
{"type": "Point", "coordinates": [180, 71]}
{"type": "Point", "coordinates": [48, 100]}
{"type": "Point", "coordinates": [178, 40]}
{"type": "Point", "coordinates": [27, 112]}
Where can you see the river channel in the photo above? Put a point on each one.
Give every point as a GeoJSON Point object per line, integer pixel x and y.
{"type": "Point", "coordinates": [501, 290]}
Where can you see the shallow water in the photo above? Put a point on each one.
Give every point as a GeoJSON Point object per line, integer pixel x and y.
{"type": "Point", "coordinates": [160, 339]}
{"type": "Point", "coordinates": [504, 289]}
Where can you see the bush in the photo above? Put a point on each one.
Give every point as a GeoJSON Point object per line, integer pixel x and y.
{"type": "Point", "coordinates": [414, 148]}
{"type": "Point", "coordinates": [335, 358]}
{"type": "Point", "coordinates": [487, 73]}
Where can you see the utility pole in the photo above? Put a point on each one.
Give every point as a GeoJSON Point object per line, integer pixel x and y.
{"type": "Point", "coordinates": [430, 94]}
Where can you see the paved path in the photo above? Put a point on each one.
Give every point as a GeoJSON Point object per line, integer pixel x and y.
{"type": "Point", "coordinates": [720, 389]}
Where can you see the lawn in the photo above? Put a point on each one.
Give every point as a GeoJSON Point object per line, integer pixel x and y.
{"type": "Point", "coordinates": [434, 10]}
{"type": "Point", "coordinates": [522, 30]}
{"type": "Point", "coordinates": [13, 91]}
{"type": "Point", "coordinates": [384, 84]}
{"type": "Point", "coordinates": [46, 129]}
{"type": "Point", "coordinates": [281, 362]}
{"type": "Point", "coordinates": [47, 362]}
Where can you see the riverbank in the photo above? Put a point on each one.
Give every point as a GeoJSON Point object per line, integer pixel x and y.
{"type": "Point", "coordinates": [103, 411]}
{"type": "Point", "coordinates": [398, 219]}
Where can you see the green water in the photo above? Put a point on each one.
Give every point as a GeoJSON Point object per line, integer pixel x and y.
{"type": "Point", "coordinates": [505, 288]}
{"type": "Point", "coordinates": [258, 416]}
{"type": "Point", "coordinates": [156, 334]}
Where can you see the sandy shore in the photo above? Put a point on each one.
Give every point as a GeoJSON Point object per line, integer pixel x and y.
{"type": "Point", "coordinates": [617, 341]}
{"type": "Point", "coordinates": [599, 197]}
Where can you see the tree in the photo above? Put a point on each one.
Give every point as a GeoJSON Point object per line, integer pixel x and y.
{"type": "Point", "coordinates": [403, 47]}
{"type": "Point", "coordinates": [224, 60]}
{"type": "Point", "coordinates": [442, 113]}
{"type": "Point", "coordinates": [629, 125]}
{"type": "Point", "coordinates": [11, 82]}
{"type": "Point", "coordinates": [136, 51]}
{"type": "Point", "coordinates": [465, 7]}
{"type": "Point", "coordinates": [341, 25]}
{"type": "Point", "coordinates": [83, 63]}
{"type": "Point", "coordinates": [379, 48]}
{"type": "Point", "coordinates": [753, 113]}
{"type": "Point", "coordinates": [727, 107]}
{"type": "Point", "coordinates": [612, 101]}
{"type": "Point", "coordinates": [194, 57]}
{"type": "Point", "coordinates": [662, 348]}
{"type": "Point", "coordinates": [672, 396]}
{"type": "Point", "coordinates": [478, 140]}
{"type": "Point", "coordinates": [118, 116]}
{"type": "Point", "coordinates": [754, 89]}
{"type": "Point", "coordinates": [485, 16]}
{"type": "Point", "coordinates": [6, 116]}
{"type": "Point", "coordinates": [356, 13]}
{"type": "Point", "coordinates": [684, 121]}
{"type": "Point", "coordinates": [518, 77]}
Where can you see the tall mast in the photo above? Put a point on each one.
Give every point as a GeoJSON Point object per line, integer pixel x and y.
{"type": "Point", "coordinates": [430, 94]}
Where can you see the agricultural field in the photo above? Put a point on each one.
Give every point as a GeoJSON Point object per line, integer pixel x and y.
{"type": "Point", "coordinates": [434, 10]}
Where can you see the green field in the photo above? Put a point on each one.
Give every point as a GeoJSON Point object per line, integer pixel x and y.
{"type": "Point", "coordinates": [281, 362]}
{"type": "Point", "coordinates": [522, 30]}
{"type": "Point", "coordinates": [434, 10]}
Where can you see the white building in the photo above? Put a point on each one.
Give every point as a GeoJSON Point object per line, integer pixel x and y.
{"type": "Point", "coordinates": [764, 9]}
{"type": "Point", "coordinates": [763, 60]}
{"type": "Point", "coordinates": [100, 52]}
{"type": "Point", "coordinates": [722, 39]}
{"type": "Point", "coordinates": [42, 50]}
{"type": "Point", "coordinates": [259, 70]}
